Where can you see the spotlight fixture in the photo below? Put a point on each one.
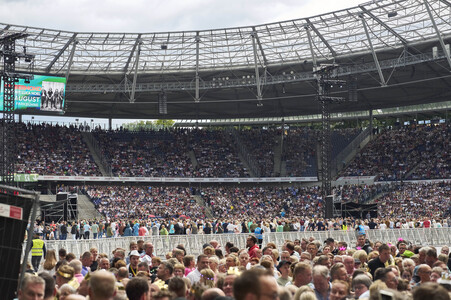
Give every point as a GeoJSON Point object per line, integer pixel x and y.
{"type": "Point", "coordinates": [392, 14]}
{"type": "Point", "coordinates": [162, 103]}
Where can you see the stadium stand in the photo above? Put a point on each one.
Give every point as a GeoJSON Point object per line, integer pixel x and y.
{"type": "Point", "coordinates": [53, 150]}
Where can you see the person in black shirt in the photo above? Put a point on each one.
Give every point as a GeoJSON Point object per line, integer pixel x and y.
{"type": "Point", "coordinates": [379, 262]}
{"type": "Point", "coordinates": [372, 224]}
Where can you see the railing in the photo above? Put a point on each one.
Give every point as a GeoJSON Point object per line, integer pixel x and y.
{"type": "Point", "coordinates": [242, 149]}
{"type": "Point", "coordinates": [193, 243]}
{"type": "Point", "coordinates": [340, 158]}
{"type": "Point", "coordinates": [98, 151]}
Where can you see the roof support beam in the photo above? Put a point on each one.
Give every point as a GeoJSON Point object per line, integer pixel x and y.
{"type": "Point", "coordinates": [138, 40]}
{"type": "Point", "coordinates": [260, 47]}
{"type": "Point", "coordinates": [70, 41]}
{"type": "Point", "coordinates": [312, 51]}
{"type": "Point", "coordinates": [71, 58]}
{"type": "Point", "coordinates": [135, 75]}
{"type": "Point", "coordinates": [197, 97]}
{"type": "Point", "coordinates": [332, 51]}
{"type": "Point", "coordinates": [446, 53]}
{"type": "Point", "coordinates": [403, 40]}
{"type": "Point", "coordinates": [257, 74]}
{"type": "Point", "coordinates": [446, 2]}
{"type": "Point", "coordinates": [6, 28]}
{"type": "Point", "coordinates": [376, 61]}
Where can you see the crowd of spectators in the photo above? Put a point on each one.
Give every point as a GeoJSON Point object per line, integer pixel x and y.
{"type": "Point", "coordinates": [340, 139]}
{"type": "Point", "coordinates": [410, 201]}
{"type": "Point", "coordinates": [295, 204]}
{"type": "Point", "coordinates": [435, 155]}
{"type": "Point", "coordinates": [146, 154]}
{"type": "Point", "coordinates": [215, 155]}
{"type": "Point", "coordinates": [299, 152]}
{"type": "Point", "coordinates": [52, 150]}
{"type": "Point", "coordinates": [262, 202]}
{"type": "Point", "coordinates": [360, 193]}
{"type": "Point", "coordinates": [141, 202]}
{"type": "Point", "coordinates": [261, 145]}
{"type": "Point", "coordinates": [417, 152]}
{"type": "Point", "coordinates": [293, 270]}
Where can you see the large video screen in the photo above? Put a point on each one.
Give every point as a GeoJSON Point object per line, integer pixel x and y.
{"type": "Point", "coordinates": [45, 93]}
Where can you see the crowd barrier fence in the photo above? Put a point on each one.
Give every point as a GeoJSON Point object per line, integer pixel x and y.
{"type": "Point", "coordinates": [193, 243]}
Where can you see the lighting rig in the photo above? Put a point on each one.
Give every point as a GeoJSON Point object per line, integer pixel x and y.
{"type": "Point", "coordinates": [10, 77]}
{"type": "Point", "coordinates": [326, 79]}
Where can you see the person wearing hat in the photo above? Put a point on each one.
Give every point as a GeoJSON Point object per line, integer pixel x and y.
{"type": "Point", "coordinates": [132, 267]}
{"type": "Point", "coordinates": [65, 274]}
{"type": "Point", "coordinates": [284, 269]}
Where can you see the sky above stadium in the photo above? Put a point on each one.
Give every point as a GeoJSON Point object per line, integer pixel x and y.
{"type": "Point", "coordinates": [157, 16]}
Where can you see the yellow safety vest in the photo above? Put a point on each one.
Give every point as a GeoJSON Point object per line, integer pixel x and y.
{"type": "Point", "coordinates": [37, 249]}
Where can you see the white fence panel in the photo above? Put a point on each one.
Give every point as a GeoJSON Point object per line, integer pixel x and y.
{"type": "Point", "coordinates": [193, 243]}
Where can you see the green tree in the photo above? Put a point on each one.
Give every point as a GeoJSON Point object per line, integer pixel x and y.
{"type": "Point", "coordinates": [164, 122]}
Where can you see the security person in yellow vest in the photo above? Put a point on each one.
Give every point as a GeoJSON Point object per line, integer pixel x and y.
{"type": "Point", "coordinates": [37, 252]}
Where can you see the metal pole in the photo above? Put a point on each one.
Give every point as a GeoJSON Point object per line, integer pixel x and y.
{"type": "Point", "coordinates": [135, 75]}
{"type": "Point", "coordinates": [376, 61]}
{"type": "Point", "coordinates": [257, 75]}
{"type": "Point", "coordinates": [29, 238]}
{"type": "Point", "coordinates": [447, 55]}
{"type": "Point", "coordinates": [197, 97]}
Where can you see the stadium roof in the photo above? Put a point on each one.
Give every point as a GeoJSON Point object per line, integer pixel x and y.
{"type": "Point", "coordinates": [391, 52]}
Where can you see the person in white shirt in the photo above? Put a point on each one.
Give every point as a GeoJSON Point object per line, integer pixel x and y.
{"type": "Point", "coordinates": [148, 253]}
{"type": "Point", "coordinates": [202, 263]}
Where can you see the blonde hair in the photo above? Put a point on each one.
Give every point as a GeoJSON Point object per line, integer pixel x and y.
{"type": "Point", "coordinates": [50, 260]}
{"type": "Point", "coordinates": [207, 277]}
{"type": "Point", "coordinates": [376, 287]}
{"type": "Point", "coordinates": [275, 253]}
{"type": "Point", "coordinates": [304, 293]}
{"type": "Point", "coordinates": [360, 255]}
{"type": "Point", "coordinates": [209, 251]}
{"type": "Point", "coordinates": [307, 296]}
{"type": "Point", "coordinates": [179, 267]}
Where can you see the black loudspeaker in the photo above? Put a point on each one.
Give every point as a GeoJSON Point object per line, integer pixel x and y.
{"type": "Point", "coordinates": [12, 233]}
{"type": "Point", "coordinates": [61, 196]}
{"type": "Point", "coordinates": [329, 213]}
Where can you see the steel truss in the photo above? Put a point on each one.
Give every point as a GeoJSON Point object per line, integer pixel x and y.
{"type": "Point", "coordinates": [9, 76]}
{"type": "Point", "coordinates": [326, 76]}
{"type": "Point", "coordinates": [390, 24]}
{"type": "Point", "coordinates": [8, 138]}
{"type": "Point", "coordinates": [405, 59]}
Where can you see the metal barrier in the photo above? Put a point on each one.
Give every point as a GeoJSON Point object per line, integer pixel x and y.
{"type": "Point", "coordinates": [193, 243]}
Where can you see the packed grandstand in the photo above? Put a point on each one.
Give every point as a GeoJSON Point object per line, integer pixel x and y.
{"type": "Point", "coordinates": [166, 226]}
{"type": "Point", "coordinates": [227, 203]}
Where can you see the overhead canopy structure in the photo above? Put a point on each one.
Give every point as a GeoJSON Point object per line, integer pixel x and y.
{"type": "Point", "coordinates": [390, 53]}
